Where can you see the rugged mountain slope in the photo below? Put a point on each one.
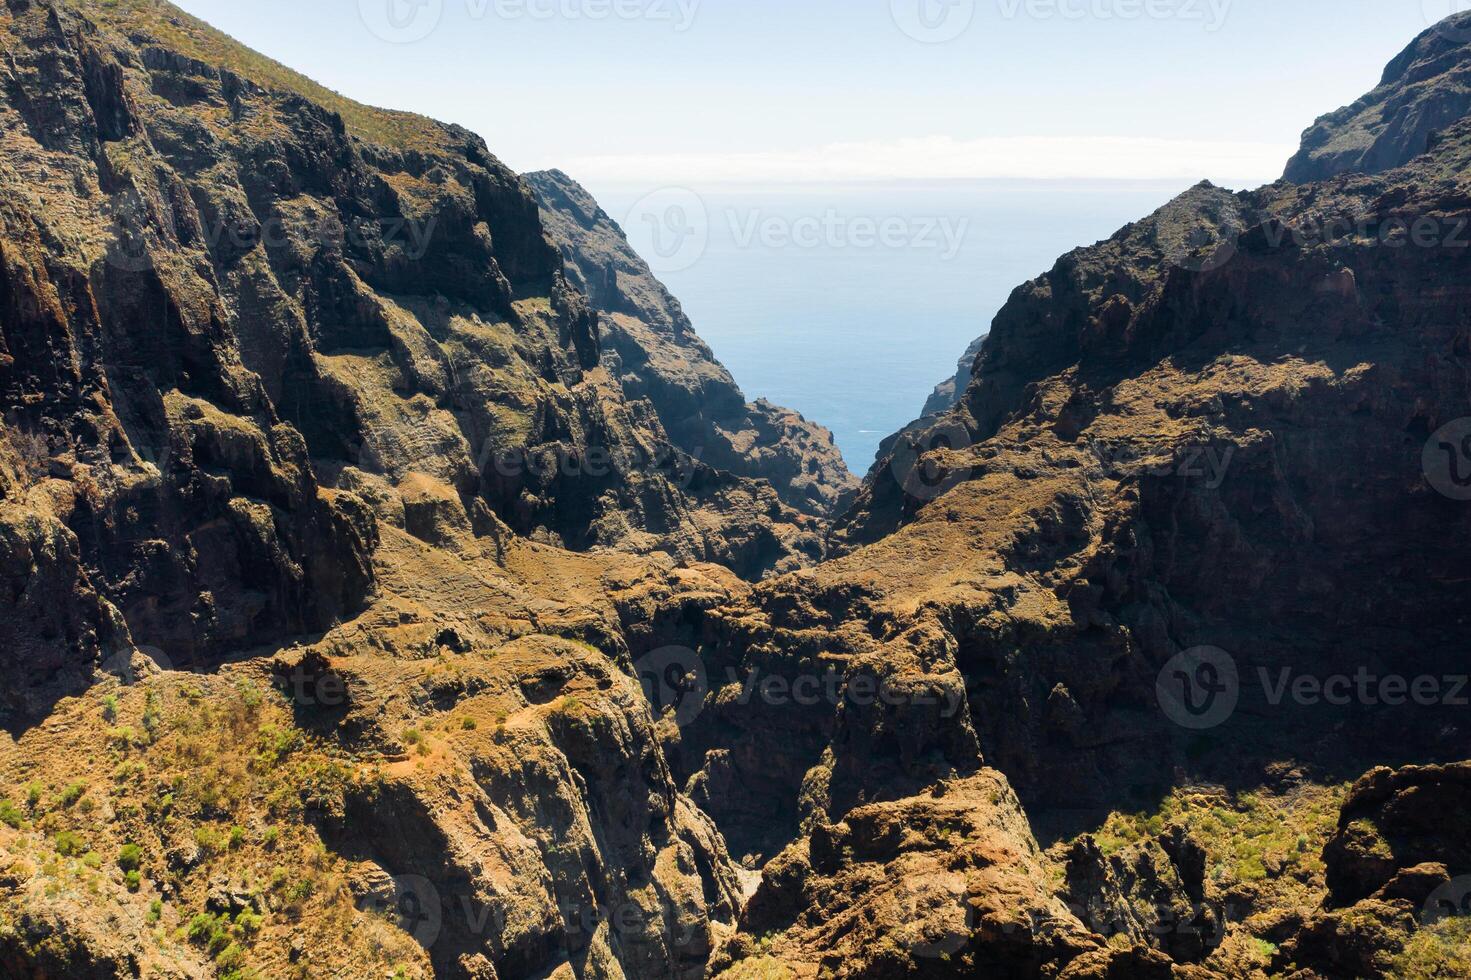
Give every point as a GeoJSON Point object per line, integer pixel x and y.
{"type": "Point", "coordinates": [1223, 428]}
{"type": "Point", "coordinates": [275, 369]}
{"type": "Point", "coordinates": [650, 346]}
{"type": "Point", "coordinates": [273, 372]}
{"type": "Point", "coordinates": [948, 392]}
{"type": "Point", "coordinates": [1424, 90]}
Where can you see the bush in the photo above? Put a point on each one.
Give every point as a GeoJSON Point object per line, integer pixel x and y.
{"type": "Point", "coordinates": [155, 911]}
{"type": "Point", "coordinates": [109, 708]}
{"type": "Point", "coordinates": [210, 931]}
{"type": "Point", "coordinates": [10, 815]}
{"type": "Point", "coordinates": [70, 844]}
{"type": "Point", "coordinates": [132, 880]}
{"type": "Point", "coordinates": [232, 957]}
{"type": "Point", "coordinates": [72, 793]}
{"type": "Point", "coordinates": [211, 840]}
{"type": "Point", "coordinates": [130, 857]}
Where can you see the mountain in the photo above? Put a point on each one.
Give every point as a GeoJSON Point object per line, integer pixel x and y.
{"type": "Point", "coordinates": [396, 586]}
{"type": "Point", "coordinates": [1423, 91]}
{"type": "Point", "coordinates": [651, 347]}
{"type": "Point", "coordinates": [948, 392]}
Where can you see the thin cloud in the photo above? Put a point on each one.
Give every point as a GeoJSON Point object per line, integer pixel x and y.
{"type": "Point", "coordinates": [944, 158]}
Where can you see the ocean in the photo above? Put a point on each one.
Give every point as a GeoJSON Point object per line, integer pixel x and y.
{"type": "Point", "coordinates": [849, 303]}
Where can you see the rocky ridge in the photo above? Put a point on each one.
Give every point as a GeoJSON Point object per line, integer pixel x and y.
{"type": "Point", "coordinates": [417, 744]}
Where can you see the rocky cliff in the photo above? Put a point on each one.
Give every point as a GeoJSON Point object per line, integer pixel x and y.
{"type": "Point", "coordinates": [1423, 91]}
{"type": "Point", "coordinates": [650, 346]}
{"type": "Point", "coordinates": [396, 586]}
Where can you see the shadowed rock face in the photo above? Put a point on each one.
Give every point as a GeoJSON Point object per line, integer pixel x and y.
{"type": "Point", "coordinates": [280, 378]}
{"type": "Point", "coordinates": [650, 346]}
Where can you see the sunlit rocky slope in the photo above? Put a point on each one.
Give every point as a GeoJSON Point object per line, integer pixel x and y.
{"type": "Point", "coordinates": [396, 586]}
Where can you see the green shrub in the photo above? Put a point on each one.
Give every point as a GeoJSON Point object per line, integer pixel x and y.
{"type": "Point", "coordinates": [132, 880]}
{"type": "Point", "coordinates": [73, 793]}
{"type": "Point", "coordinates": [130, 857]}
{"type": "Point", "coordinates": [10, 815]}
{"type": "Point", "coordinates": [70, 844]}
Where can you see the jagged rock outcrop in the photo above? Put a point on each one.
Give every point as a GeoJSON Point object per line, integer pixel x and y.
{"type": "Point", "coordinates": [948, 392]}
{"type": "Point", "coordinates": [1398, 874]}
{"type": "Point", "coordinates": [491, 676]}
{"type": "Point", "coordinates": [650, 346]}
{"type": "Point", "coordinates": [1423, 91]}
{"type": "Point", "coordinates": [950, 884]}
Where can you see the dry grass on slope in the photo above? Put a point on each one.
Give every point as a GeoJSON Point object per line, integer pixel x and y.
{"type": "Point", "coordinates": [193, 37]}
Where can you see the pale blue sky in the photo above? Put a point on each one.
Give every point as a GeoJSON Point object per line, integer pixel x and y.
{"type": "Point", "coordinates": [774, 89]}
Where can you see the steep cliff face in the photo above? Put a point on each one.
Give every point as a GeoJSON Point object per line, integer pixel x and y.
{"type": "Point", "coordinates": [1424, 90]}
{"type": "Point", "coordinates": [650, 346]}
{"type": "Point", "coordinates": [291, 384]}
{"type": "Point", "coordinates": [368, 612]}
{"type": "Point", "coordinates": [1229, 433]}
{"type": "Point", "coordinates": [948, 392]}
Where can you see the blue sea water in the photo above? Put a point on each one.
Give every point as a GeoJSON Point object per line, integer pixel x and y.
{"type": "Point", "coordinates": [849, 303]}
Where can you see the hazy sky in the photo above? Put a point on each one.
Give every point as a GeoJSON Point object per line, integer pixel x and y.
{"type": "Point", "coordinates": [700, 90]}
